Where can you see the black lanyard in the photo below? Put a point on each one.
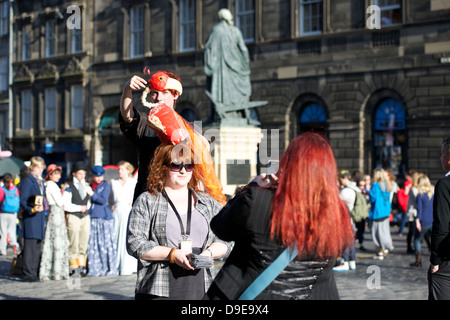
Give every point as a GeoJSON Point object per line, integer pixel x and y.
{"type": "Point", "coordinates": [189, 214]}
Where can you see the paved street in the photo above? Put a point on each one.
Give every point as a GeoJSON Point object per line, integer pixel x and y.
{"type": "Point", "coordinates": [396, 281]}
{"type": "Point", "coordinates": [389, 279]}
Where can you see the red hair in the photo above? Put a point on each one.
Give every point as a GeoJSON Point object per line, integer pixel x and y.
{"type": "Point", "coordinates": [160, 165]}
{"type": "Point", "coordinates": [307, 210]}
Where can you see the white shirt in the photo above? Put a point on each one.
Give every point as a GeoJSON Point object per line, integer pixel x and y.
{"type": "Point", "coordinates": [123, 194]}
{"type": "Point", "coordinates": [53, 194]}
{"type": "Point", "coordinates": [348, 194]}
{"type": "Point", "coordinates": [69, 206]}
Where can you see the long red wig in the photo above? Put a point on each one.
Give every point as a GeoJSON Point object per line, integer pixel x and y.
{"type": "Point", "coordinates": [307, 210]}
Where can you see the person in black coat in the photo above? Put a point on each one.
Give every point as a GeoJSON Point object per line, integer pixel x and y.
{"type": "Point", "coordinates": [439, 271]}
{"type": "Point", "coordinates": [32, 191]}
{"type": "Point", "coordinates": [303, 210]}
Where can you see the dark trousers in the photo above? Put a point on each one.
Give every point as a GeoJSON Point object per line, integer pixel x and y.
{"type": "Point", "coordinates": [439, 282]}
{"type": "Point", "coordinates": [31, 258]}
{"type": "Point", "coordinates": [360, 228]}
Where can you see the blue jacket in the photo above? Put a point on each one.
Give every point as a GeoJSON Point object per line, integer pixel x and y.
{"type": "Point", "coordinates": [33, 224]}
{"type": "Point", "coordinates": [99, 202]}
{"type": "Point", "coordinates": [380, 202]}
{"type": "Point", "coordinates": [424, 207]}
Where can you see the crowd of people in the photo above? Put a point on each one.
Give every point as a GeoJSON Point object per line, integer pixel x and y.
{"type": "Point", "coordinates": [173, 222]}
{"type": "Point", "coordinates": [407, 204]}
{"type": "Point", "coordinates": [60, 228]}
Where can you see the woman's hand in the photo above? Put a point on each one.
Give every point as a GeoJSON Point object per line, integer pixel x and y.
{"type": "Point", "coordinates": [418, 225]}
{"type": "Point", "coordinates": [265, 181]}
{"type": "Point", "coordinates": [181, 259]}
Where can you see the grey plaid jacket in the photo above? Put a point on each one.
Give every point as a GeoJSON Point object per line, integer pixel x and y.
{"type": "Point", "coordinates": [147, 229]}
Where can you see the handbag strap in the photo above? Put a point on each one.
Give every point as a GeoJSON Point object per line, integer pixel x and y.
{"type": "Point", "coordinates": [269, 274]}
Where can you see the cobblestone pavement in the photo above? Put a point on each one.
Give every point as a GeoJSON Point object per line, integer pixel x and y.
{"type": "Point", "coordinates": [388, 279]}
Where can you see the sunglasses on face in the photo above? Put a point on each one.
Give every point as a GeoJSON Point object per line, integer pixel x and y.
{"type": "Point", "coordinates": [177, 167]}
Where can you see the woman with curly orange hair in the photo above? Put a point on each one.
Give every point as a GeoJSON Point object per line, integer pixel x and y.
{"type": "Point", "coordinates": [169, 224]}
{"type": "Point", "coordinates": [304, 211]}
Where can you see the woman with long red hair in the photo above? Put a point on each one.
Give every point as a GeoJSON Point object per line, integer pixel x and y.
{"type": "Point", "coordinates": [303, 210]}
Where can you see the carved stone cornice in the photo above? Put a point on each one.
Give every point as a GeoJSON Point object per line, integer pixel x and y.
{"type": "Point", "coordinates": [48, 72]}
{"type": "Point", "coordinates": [23, 74]}
{"type": "Point", "coordinates": [73, 68]}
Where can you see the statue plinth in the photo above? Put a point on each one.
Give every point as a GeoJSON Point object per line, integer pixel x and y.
{"type": "Point", "coordinates": [235, 144]}
{"type": "Point", "coordinates": [234, 152]}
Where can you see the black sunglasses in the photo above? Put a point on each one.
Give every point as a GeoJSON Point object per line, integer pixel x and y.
{"type": "Point", "coordinates": [177, 167]}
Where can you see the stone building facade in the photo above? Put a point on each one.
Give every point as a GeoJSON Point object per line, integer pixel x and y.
{"type": "Point", "coordinates": [4, 74]}
{"type": "Point", "coordinates": [380, 93]}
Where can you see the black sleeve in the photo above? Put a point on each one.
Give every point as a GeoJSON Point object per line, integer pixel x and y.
{"type": "Point", "coordinates": [440, 236]}
{"type": "Point", "coordinates": [230, 223]}
{"type": "Point", "coordinates": [133, 130]}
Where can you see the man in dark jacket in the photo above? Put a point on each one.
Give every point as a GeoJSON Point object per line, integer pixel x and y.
{"type": "Point", "coordinates": [133, 123]}
{"type": "Point", "coordinates": [439, 272]}
{"type": "Point", "coordinates": [32, 191]}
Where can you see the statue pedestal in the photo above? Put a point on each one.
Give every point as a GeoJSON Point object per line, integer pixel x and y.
{"type": "Point", "coordinates": [235, 155]}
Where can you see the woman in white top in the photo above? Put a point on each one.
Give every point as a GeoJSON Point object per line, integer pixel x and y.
{"type": "Point", "coordinates": [55, 251]}
{"type": "Point", "coordinates": [123, 191]}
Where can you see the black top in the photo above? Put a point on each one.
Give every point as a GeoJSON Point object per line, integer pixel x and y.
{"type": "Point", "coordinates": [440, 233]}
{"type": "Point", "coordinates": [246, 221]}
{"type": "Point", "coordinates": [145, 140]}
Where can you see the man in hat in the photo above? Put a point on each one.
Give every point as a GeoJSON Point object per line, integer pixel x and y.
{"type": "Point", "coordinates": [133, 123]}
{"type": "Point", "coordinates": [76, 204]}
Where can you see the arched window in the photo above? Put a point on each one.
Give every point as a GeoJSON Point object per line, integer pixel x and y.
{"type": "Point", "coordinates": [313, 118]}
{"type": "Point", "coordinates": [313, 113]}
{"type": "Point", "coordinates": [390, 116]}
{"type": "Point", "coordinates": [390, 136]}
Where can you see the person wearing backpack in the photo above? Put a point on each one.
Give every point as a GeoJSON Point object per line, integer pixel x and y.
{"type": "Point", "coordinates": [348, 195]}
{"type": "Point", "coordinates": [9, 206]}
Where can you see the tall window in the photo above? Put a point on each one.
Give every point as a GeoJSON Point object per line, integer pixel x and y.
{"type": "Point", "coordinates": [187, 25]}
{"type": "Point", "coordinates": [245, 19]}
{"type": "Point", "coordinates": [50, 108]}
{"type": "Point", "coordinates": [26, 42]}
{"type": "Point", "coordinates": [390, 136]}
{"type": "Point", "coordinates": [50, 38]}
{"type": "Point", "coordinates": [137, 15]}
{"type": "Point", "coordinates": [4, 22]}
{"type": "Point", "coordinates": [3, 73]}
{"type": "Point", "coordinates": [76, 107]}
{"type": "Point", "coordinates": [391, 12]}
{"type": "Point", "coordinates": [76, 40]}
{"type": "Point", "coordinates": [25, 110]}
{"type": "Point", "coordinates": [311, 17]}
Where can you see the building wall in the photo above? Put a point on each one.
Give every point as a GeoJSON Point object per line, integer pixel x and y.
{"type": "Point", "coordinates": [348, 68]}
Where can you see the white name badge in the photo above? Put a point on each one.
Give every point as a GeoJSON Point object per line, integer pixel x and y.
{"type": "Point", "coordinates": [186, 245]}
